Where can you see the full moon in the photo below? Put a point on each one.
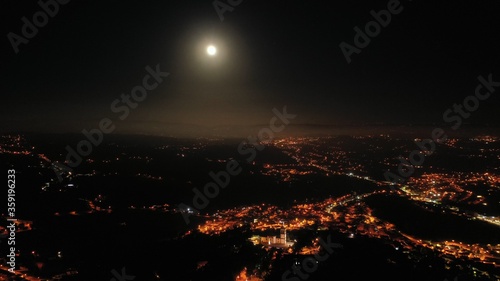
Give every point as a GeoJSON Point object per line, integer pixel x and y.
{"type": "Point", "coordinates": [211, 50]}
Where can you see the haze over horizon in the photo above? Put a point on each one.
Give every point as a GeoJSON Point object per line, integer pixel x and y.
{"type": "Point", "coordinates": [269, 55]}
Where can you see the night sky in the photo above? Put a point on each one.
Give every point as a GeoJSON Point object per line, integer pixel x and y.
{"type": "Point", "coordinates": [269, 54]}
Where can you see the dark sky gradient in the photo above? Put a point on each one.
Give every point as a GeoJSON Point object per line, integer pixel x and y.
{"type": "Point", "coordinates": [271, 54]}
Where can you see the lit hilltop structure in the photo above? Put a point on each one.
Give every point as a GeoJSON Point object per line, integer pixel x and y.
{"type": "Point", "coordinates": [273, 241]}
